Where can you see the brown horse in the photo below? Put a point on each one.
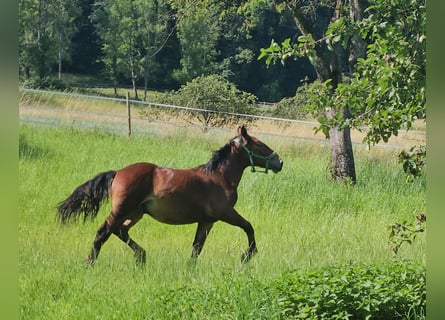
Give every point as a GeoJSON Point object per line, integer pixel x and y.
{"type": "Point", "coordinates": [204, 194]}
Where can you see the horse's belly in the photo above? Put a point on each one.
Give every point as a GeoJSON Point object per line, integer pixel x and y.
{"type": "Point", "coordinates": [172, 213]}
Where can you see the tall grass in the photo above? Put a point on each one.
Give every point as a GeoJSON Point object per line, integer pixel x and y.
{"type": "Point", "coordinates": [302, 221]}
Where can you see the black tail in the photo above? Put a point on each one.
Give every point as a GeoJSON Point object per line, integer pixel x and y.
{"type": "Point", "coordinates": [86, 198]}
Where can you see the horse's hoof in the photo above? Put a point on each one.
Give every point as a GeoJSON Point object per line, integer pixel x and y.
{"type": "Point", "coordinates": [140, 263]}
{"type": "Point", "coordinates": [141, 259]}
{"type": "Point", "coordinates": [247, 255]}
{"type": "Point", "coordinates": [192, 263]}
{"type": "Point", "coordinates": [88, 263]}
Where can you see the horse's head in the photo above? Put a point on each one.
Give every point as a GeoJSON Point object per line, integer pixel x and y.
{"type": "Point", "coordinates": [258, 152]}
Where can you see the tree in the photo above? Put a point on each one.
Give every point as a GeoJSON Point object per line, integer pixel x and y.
{"type": "Point", "coordinates": [86, 49]}
{"type": "Point", "coordinates": [107, 26]}
{"type": "Point", "coordinates": [118, 26]}
{"type": "Point", "coordinates": [154, 21]}
{"type": "Point", "coordinates": [391, 78]}
{"type": "Point", "coordinates": [66, 13]}
{"type": "Point", "coordinates": [216, 97]}
{"type": "Point", "coordinates": [198, 30]}
{"type": "Point", "coordinates": [45, 31]}
{"type": "Point", "coordinates": [380, 47]}
{"type": "Point", "coordinates": [130, 52]}
{"type": "Point", "coordinates": [328, 63]}
{"type": "Point", "coordinates": [259, 22]}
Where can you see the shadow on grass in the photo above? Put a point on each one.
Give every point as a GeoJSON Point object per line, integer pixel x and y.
{"type": "Point", "coordinates": [30, 151]}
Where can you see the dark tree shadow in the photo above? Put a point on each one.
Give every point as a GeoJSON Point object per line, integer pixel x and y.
{"type": "Point", "coordinates": [30, 151]}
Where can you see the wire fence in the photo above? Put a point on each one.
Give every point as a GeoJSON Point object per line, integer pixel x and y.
{"type": "Point", "coordinates": [133, 122]}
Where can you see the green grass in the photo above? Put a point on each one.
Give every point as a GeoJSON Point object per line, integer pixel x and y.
{"type": "Point", "coordinates": [302, 221]}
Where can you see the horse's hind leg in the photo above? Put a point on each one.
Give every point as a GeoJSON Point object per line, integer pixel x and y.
{"type": "Point", "coordinates": [235, 219]}
{"type": "Point", "coordinates": [122, 233]}
{"type": "Point", "coordinates": [200, 237]}
{"type": "Point", "coordinates": [102, 235]}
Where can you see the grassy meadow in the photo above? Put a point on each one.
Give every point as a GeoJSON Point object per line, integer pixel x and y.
{"type": "Point", "coordinates": [302, 220]}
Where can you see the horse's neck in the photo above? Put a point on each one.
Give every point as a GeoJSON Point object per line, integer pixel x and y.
{"type": "Point", "coordinates": [233, 170]}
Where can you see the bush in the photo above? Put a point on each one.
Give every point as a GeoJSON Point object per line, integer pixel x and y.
{"type": "Point", "coordinates": [214, 93]}
{"type": "Point", "coordinates": [44, 83]}
{"type": "Point", "coordinates": [413, 161]}
{"type": "Point", "coordinates": [392, 291]}
{"type": "Point", "coordinates": [356, 292]}
{"type": "Point", "coordinates": [406, 232]}
{"type": "Point", "coordinates": [294, 107]}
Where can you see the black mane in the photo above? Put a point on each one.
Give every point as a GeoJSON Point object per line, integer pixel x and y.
{"type": "Point", "coordinates": [217, 159]}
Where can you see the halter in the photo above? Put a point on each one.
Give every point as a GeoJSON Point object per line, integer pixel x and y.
{"type": "Point", "coordinates": [255, 155]}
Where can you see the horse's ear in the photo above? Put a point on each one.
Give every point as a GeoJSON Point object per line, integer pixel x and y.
{"type": "Point", "coordinates": [242, 132]}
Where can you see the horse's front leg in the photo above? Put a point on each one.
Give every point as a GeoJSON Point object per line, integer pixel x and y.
{"type": "Point", "coordinates": [200, 237]}
{"type": "Point", "coordinates": [234, 218]}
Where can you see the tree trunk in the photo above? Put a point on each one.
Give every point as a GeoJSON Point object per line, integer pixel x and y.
{"type": "Point", "coordinates": [113, 73]}
{"type": "Point", "coordinates": [342, 155]}
{"type": "Point", "coordinates": [115, 88]}
{"type": "Point", "coordinates": [358, 46]}
{"type": "Point", "coordinates": [135, 89]}
{"type": "Point", "coordinates": [133, 82]}
{"type": "Point", "coordinates": [328, 66]}
{"type": "Point", "coordinates": [146, 77]}
{"type": "Point", "coordinates": [27, 72]}
{"type": "Point", "coordinates": [145, 89]}
{"type": "Point", "coordinates": [60, 57]}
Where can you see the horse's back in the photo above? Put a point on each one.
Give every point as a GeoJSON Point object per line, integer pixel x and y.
{"type": "Point", "coordinates": [134, 172]}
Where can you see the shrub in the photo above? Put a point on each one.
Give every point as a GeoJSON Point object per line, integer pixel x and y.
{"type": "Point", "coordinates": [406, 232]}
{"type": "Point", "coordinates": [44, 83]}
{"type": "Point", "coordinates": [413, 161]}
{"type": "Point", "coordinates": [294, 107]}
{"type": "Point", "coordinates": [216, 94]}
{"type": "Point", "coordinates": [394, 291]}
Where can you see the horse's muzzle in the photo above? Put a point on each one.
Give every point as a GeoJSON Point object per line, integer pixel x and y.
{"type": "Point", "coordinates": [277, 166]}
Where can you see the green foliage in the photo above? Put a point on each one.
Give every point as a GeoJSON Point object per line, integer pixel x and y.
{"type": "Point", "coordinates": [387, 90]}
{"type": "Point", "coordinates": [393, 291]}
{"type": "Point", "coordinates": [353, 291]}
{"type": "Point", "coordinates": [406, 232]}
{"type": "Point", "coordinates": [120, 29]}
{"type": "Point", "coordinates": [391, 79]}
{"type": "Point", "coordinates": [132, 35]}
{"type": "Point", "coordinates": [218, 95]}
{"type": "Point", "coordinates": [413, 161]}
{"type": "Point", "coordinates": [286, 50]}
{"type": "Point", "coordinates": [154, 20]}
{"type": "Point", "coordinates": [198, 32]}
{"type": "Point", "coordinates": [294, 107]}
{"type": "Point", "coordinates": [44, 83]}
{"type": "Point", "coordinates": [253, 13]}
{"type": "Point", "coordinates": [45, 32]}
{"type": "Point", "coordinates": [158, 44]}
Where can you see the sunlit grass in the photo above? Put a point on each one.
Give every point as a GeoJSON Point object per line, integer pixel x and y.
{"type": "Point", "coordinates": [302, 221]}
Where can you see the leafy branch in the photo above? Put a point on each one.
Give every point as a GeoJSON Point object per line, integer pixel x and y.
{"type": "Point", "coordinates": [413, 161]}
{"type": "Point", "coordinates": [385, 88]}
{"type": "Point", "coordinates": [406, 232]}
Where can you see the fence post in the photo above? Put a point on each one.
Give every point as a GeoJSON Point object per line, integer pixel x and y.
{"type": "Point", "coordinates": [129, 115]}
